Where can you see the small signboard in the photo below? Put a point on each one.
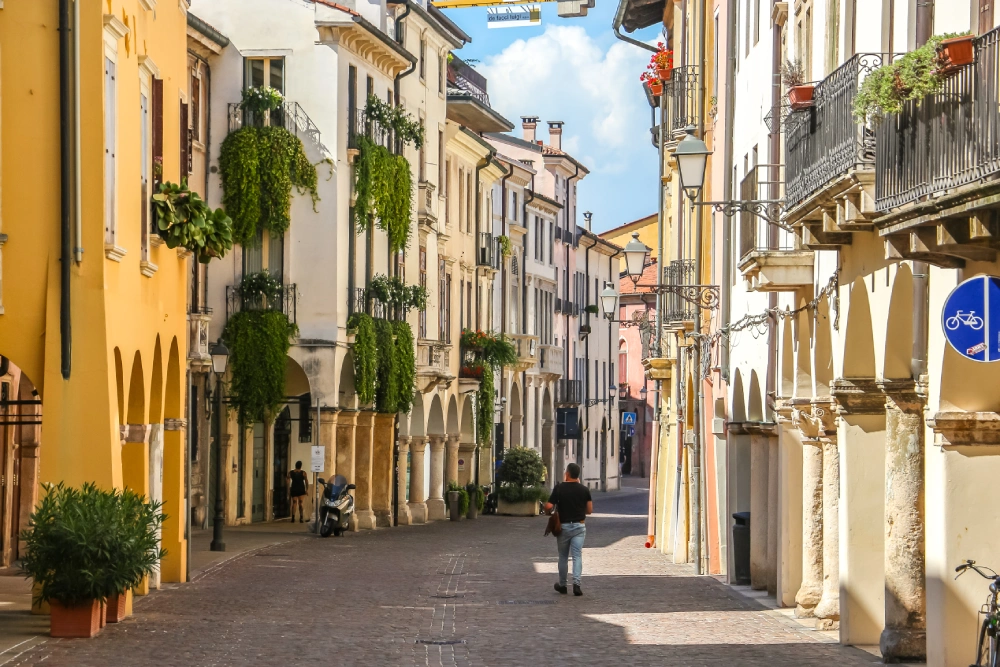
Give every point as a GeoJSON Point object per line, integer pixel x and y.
{"type": "Point", "coordinates": [567, 424]}
{"type": "Point", "coordinates": [318, 458]}
{"type": "Point", "coordinates": [628, 418]}
{"type": "Point", "coordinates": [971, 318]}
{"type": "Point", "coordinates": [461, 464]}
{"type": "Point", "coordinates": [513, 16]}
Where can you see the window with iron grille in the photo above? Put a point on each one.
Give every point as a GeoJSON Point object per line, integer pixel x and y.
{"type": "Point", "coordinates": [422, 323]}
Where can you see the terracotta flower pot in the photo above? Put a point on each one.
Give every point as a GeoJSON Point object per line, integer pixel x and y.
{"type": "Point", "coordinates": [116, 608]}
{"type": "Point", "coordinates": [955, 53]}
{"type": "Point", "coordinates": [79, 620]}
{"type": "Point", "coordinates": [664, 74]}
{"type": "Point", "coordinates": [656, 87]}
{"type": "Point", "coordinates": [801, 97]}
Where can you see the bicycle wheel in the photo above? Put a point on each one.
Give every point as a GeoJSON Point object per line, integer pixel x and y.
{"type": "Point", "coordinates": [951, 323]}
{"type": "Point", "coordinates": [983, 646]}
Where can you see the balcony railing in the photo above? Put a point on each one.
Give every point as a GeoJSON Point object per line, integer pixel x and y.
{"type": "Point", "coordinates": [569, 392]}
{"type": "Point", "coordinates": [527, 349]}
{"type": "Point", "coordinates": [486, 249]}
{"type": "Point", "coordinates": [362, 302]}
{"type": "Point", "coordinates": [289, 115]}
{"type": "Point", "coordinates": [550, 359]}
{"type": "Point", "coordinates": [824, 141]}
{"type": "Point", "coordinates": [468, 80]}
{"type": "Point", "coordinates": [680, 272]}
{"type": "Point", "coordinates": [945, 140]}
{"type": "Point", "coordinates": [761, 183]}
{"type": "Point", "coordinates": [683, 95]}
{"type": "Point", "coordinates": [285, 302]}
{"type": "Point", "coordinates": [432, 357]}
{"type": "Point", "coordinates": [359, 125]}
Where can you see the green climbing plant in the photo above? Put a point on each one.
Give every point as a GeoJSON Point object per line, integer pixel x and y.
{"type": "Point", "coordinates": [484, 407]}
{"type": "Point", "coordinates": [506, 247]}
{"type": "Point", "coordinates": [387, 378]}
{"type": "Point", "coordinates": [406, 365]}
{"type": "Point", "coordinates": [394, 117]}
{"type": "Point", "coordinates": [384, 188]}
{"type": "Point", "coordinates": [463, 497]}
{"type": "Point", "coordinates": [365, 356]}
{"type": "Point", "coordinates": [258, 342]}
{"type": "Point", "coordinates": [259, 166]}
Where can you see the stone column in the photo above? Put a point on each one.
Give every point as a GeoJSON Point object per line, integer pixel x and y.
{"type": "Point", "coordinates": [382, 477]}
{"type": "Point", "coordinates": [828, 608]}
{"type": "Point", "coordinates": [347, 423]}
{"type": "Point", "coordinates": [759, 470]}
{"type": "Point", "coordinates": [905, 635]}
{"type": "Point", "coordinates": [467, 463]}
{"type": "Point", "coordinates": [811, 589]}
{"type": "Point", "coordinates": [402, 509]}
{"type": "Point", "coordinates": [417, 504]}
{"type": "Point", "coordinates": [364, 515]}
{"type": "Point", "coordinates": [772, 515]}
{"type": "Point", "coordinates": [452, 459]}
{"type": "Point", "coordinates": [173, 568]}
{"type": "Point", "coordinates": [435, 500]}
{"type": "Point", "coordinates": [328, 438]}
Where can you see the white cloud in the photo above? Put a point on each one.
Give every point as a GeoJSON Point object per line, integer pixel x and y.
{"type": "Point", "coordinates": [565, 74]}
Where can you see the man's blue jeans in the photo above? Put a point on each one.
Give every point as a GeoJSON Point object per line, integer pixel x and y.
{"type": "Point", "coordinates": [571, 539]}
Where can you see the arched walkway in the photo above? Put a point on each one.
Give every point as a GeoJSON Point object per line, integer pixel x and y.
{"type": "Point", "coordinates": [20, 441]}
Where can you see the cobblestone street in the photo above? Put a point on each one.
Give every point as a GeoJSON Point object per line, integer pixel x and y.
{"type": "Point", "coordinates": [473, 593]}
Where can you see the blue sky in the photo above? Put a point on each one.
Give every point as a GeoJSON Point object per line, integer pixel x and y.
{"type": "Point", "coordinates": [576, 71]}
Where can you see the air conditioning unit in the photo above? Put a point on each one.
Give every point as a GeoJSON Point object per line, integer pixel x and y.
{"type": "Point", "coordinates": [719, 426]}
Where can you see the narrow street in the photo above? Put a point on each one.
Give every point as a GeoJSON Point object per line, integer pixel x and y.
{"type": "Point", "coordinates": [474, 593]}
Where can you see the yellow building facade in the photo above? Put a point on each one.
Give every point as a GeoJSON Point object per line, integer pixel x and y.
{"type": "Point", "coordinates": [106, 355]}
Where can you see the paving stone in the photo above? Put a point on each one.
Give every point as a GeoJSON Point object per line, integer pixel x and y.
{"type": "Point", "coordinates": [465, 594]}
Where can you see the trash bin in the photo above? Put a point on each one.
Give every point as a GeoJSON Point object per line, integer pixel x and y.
{"type": "Point", "coordinates": [453, 504]}
{"type": "Point", "coordinates": [741, 549]}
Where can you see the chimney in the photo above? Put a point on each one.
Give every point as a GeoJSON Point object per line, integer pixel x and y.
{"type": "Point", "coordinates": [528, 124]}
{"type": "Point", "coordinates": [555, 134]}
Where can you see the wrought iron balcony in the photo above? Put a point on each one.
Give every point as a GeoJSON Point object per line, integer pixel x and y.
{"type": "Point", "coordinates": [362, 302]}
{"type": "Point", "coordinates": [677, 309]}
{"type": "Point", "coordinates": [463, 77]}
{"type": "Point", "coordinates": [486, 249]}
{"type": "Point", "coordinates": [825, 142]}
{"type": "Point", "coordinates": [945, 140]}
{"type": "Point", "coordinates": [682, 92]}
{"type": "Point", "coordinates": [359, 125]}
{"type": "Point", "coordinates": [289, 115]}
{"type": "Point", "coordinates": [285, 302]}
{"type": "Point", "coordinates": [569, 392]}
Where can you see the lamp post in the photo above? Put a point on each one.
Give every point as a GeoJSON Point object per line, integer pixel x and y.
{"type": "Point", "coordinates": [220, 359]}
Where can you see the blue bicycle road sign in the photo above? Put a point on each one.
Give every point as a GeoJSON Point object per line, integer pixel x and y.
{"type": "Point", "coordinates": [628, 419]}
{"type": "Point", "coordinates": [971, 318]}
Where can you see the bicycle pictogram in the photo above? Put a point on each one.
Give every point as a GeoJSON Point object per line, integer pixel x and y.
{"type": "Point", "coordinates": [967, 318]}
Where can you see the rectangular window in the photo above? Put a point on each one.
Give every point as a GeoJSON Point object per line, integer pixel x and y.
{"type": "Point", "coordinates": [468, 303]}
{"type": "Point", "coordinates": [471, 200]}
{"type": "Point", "coordinates": [144, 168]}
{"type": "Point", "coordinates": [422, 324]}
{"type": "Point", "coordinates": [442, 301]}
{"type": "Point", "coordinates": [446, 184]}
{"type": "Point", "coordinates": [447, 309]}
{"type": "Point", "coordinates": [422, 166]}
{"type": "Point", "coordinates": [462, 196]}
{"type": "Point", "coordinates": [110, 149]}
{"type": "Point", "coordinates": [441, 163]}
{"type": "Point", "coordinates": [185, 137]}
{"type": "Point", "coordinates": [196, 108]}
{"type": "Point", "coordinates": [423, 58]}
{"type": "Point", "coordinates": [461, 303]}
{"type": "Point", "coordinates": [442, 73]}
{"type": "Point", "coordinates": [270, 72]}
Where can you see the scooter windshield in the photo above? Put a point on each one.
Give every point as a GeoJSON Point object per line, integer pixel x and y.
{"type": "Point", "coordinates": [337, 485]}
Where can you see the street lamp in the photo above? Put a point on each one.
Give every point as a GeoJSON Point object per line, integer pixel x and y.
{"type": "Point", "coordinates": [609, 301]}
{"type": "Point", "coordinates": [220, 359]}
{"type": "Point", "coordinates": [613, 390]}
{"type": "Point", "coordinates": [642, 394]}
{"type": "Point", "coordinates": [691, 155]}
{"type": "Point", "coordinates": [636, 255]}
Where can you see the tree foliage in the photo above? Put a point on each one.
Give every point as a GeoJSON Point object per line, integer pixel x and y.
{"type": "Point", "coordinates": [258, 342]}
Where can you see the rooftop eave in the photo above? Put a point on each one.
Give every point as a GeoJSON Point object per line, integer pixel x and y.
{"type": "Point", "coordinates": [367, 42]}
{"type": "Point", "coordinates": [466, 110]}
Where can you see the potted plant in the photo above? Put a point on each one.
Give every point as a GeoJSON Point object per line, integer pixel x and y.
{"type": "Point", "coordinates": [183, 219]}
{"type": "Point", "coordinates": [585, 329]}
{"type": "Point", "coordinates": [800, 93]}
{"type": "Point", "coordinates": [662, 62]}
{"type": "Point", "coordinates": [258, 102]}
{"type": "Point", "coordinates": [85, 546]}
{"type": "Point", "coordinates": [955, 52]}
{"type": "Point", "coordinates": [458, 501]}
{"type": "Point", "coordinates": [520, 476]}
{"type": "Point", "coordinates": [653, 82]}
{"type": "Point", "coordinates": [592, 309]}
{"type": "Point", "coordinates": [477, 499]}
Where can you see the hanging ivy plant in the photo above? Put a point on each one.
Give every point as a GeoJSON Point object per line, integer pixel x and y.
{"type": "Point", "coordinates": [387, 379]}
{"type": "Point", "coordinates": [259, 166]}
{"type": "Point", "coordinates": [365, 356]}
{"type": "Point", "coordinates": [384, 188]}
{"type": "Point", "coordinates": [484, 407]}
{"type": "Point", "coordinates": [396, 294]}
{"type": "Point", "coordinates": [394, 117]}
{"type": "Point", "coordinates": [183, 219]}
{"type": "Point", "coordinates": [406, 365]}
{"type": "Point", "coordinates": [506, 247]}
{"type": "Point", "coordinates": [258, 342]}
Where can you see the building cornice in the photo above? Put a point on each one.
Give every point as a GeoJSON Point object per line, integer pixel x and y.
{"type": "Point", "coordinates": [350, 31]}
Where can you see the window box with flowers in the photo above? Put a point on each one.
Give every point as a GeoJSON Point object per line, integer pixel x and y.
{"type": "Point", "coordinates": [662, 62]}
{"type": "Point", "coordinates": [654, 83]}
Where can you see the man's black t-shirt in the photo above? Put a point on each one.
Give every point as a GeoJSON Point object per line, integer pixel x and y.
{"type": "Point", "coordinates": [572, 499]}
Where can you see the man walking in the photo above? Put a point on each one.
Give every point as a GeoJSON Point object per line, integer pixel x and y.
{"type": "Point", "coordinates": [573, 502]}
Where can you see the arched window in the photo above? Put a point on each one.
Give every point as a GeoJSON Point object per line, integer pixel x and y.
{"type": "Point", "coordinates": [622, 363]}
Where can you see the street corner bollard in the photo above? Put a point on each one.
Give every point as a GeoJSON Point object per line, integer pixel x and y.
{"type": "Point", "coordinates": [453, 504]}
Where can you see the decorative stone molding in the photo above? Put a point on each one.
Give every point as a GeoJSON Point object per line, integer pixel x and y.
{"type": "Point", "coordinates": [137, 432]}
{"type": "Point", "coordinates": [813, 417]}
{"type": "Point", "coordinates": [174, 424]}
{"type": "Point", "coordinates": [115, 27]}
{"type": "Point", "coordinates": [147, 268]}
{"type": "Point", "coordinates": [147, 65]}
{"type": "Point", "coordinates": [738, 428]}
{"type": "Point", "coordinates": [907, 395]}
{"type": "Point", "coordinates": [965, 428]}
{"type": "Point", "coordinates": [761, 428]}
{"type": "Point", "coordinates": [114, 252]}
{"type": "Point", "coordinates": [858, 396]}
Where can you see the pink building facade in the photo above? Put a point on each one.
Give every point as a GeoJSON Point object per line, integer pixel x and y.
{"type": "Point", "coordinates": [636, 394]}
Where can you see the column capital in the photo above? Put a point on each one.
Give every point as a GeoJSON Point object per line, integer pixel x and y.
{"type": "Point", "coordinates": [436, 442]}
{"type": "Point", "coordinates": [454, 439]}
{"type": "Point", "coordinates": [347, 417]}
{"type": "Point", "coordinates": [329, 416]}
{"type": "Point", "coordinates": [365, 418]}
{"type": "Point", "coordinates": [418, 443]}
{"type": "Point", "coordinates": [174, 424]}
{"type": "Point", "coordinates": [404, 441]}
{"type": "Point", "coordinates": [858, 396]}
{"type": "Point", "coordinates": [906, 395]}
{"type": "Point", "coordinates": [814, 417]}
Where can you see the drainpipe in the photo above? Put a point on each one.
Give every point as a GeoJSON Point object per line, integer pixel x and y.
{"type": "Point", "coordinates": [399, 40]}
{"type": "Point", "coordinates": [616, 25]}
{"type": "Point", "coordinates": [921, 270]}
{"type": "Point", "coordinates": [503, 287]}
{"type": "Point", "coordinates": [524, 292]}
{"type": "Point", "coordinates": [727, 239]}
{"type": "Point", "coordinates": [65, 184]}
{"type": "Point", "coordinates": [77, 140]}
